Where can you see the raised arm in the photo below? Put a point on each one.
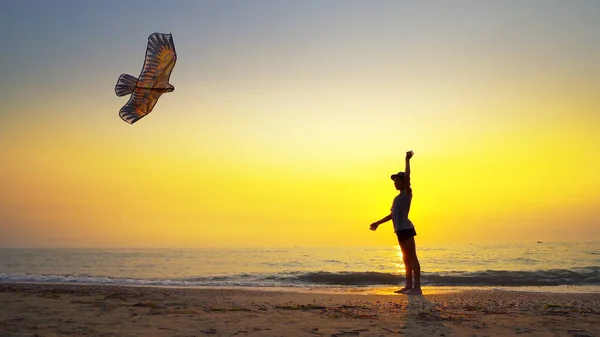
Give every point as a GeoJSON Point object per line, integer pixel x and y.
{"type": "Point", "coordinates": [409, 155]}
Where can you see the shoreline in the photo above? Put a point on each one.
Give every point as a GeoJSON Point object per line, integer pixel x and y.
{"type": "Point", "coordinates": [359, 290]}
{"type": "Point", "coordinates": [29, 309]}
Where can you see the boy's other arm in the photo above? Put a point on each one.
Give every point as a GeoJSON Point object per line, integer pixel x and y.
{"type": "Point", "coordinates": [376, 224]}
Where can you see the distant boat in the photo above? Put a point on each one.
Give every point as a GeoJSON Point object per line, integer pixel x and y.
{"type": "Point", "coordinates": [539, 241]}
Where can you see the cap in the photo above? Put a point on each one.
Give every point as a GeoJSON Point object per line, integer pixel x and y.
{"type": "Point", "coordinates": [399, 174]}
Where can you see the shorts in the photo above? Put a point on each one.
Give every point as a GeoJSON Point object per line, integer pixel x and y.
{"type": "Point", "coordinates": [406, 234]}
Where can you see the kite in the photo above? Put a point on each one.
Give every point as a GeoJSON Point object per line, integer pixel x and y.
{"type": "Point", "coordinates": [153, 81]}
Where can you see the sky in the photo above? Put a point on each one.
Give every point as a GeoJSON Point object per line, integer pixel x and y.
{"type": "Point", "coordinates": [288, 118]}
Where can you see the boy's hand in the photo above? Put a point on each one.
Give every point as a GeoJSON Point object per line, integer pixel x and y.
{"type": "Point", "coordinates": [373, 226]}
{"type": "Point", "coordinates": [409, 154]}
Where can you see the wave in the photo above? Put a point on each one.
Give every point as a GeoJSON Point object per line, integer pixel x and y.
{"type": "Point", "coordinates": [581, 276]}
{"type": "Point", "coordinates": [554, 277]}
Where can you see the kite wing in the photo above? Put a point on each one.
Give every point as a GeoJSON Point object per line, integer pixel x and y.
{"type": "Point", "coordinates": [153, 81]}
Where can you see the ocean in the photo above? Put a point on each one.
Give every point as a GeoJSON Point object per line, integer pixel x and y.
{"type": "Point", "coordinates": [534, 266]}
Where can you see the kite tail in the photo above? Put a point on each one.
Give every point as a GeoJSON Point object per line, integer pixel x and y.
{"type": "Point", "coordinates": [125, 85]}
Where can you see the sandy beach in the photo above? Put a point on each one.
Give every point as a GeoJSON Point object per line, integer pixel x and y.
{"type": "Point", "coordinates": [91, 310]}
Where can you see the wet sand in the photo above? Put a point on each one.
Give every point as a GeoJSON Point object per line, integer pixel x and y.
{"type": "Point", "coordinates": [92, 310]}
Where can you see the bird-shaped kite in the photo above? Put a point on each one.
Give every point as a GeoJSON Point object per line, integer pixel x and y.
{"type": "Point", "coordinates": [153, 81]}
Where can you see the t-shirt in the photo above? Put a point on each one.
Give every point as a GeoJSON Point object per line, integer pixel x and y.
{"type": "Point", "coordinates": [400, 208]}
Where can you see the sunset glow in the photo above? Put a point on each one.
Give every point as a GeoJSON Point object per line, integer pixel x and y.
{"type": "Point", "coordinates": [288, 118]}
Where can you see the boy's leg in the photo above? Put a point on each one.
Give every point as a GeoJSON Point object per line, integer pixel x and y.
{"type": "Point", "coordinates": [407, 268]}
{"type": "Point", "coordinates": [411, 252]}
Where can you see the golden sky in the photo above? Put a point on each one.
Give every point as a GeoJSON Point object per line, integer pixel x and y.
{"type": "Point", "coordinates": [288, 118]}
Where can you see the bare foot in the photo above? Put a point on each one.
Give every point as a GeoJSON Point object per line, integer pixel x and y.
{"type": "Point", "coordinates": [401, 291]}
{"type": "Point", "coordinates": [413, 291]}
